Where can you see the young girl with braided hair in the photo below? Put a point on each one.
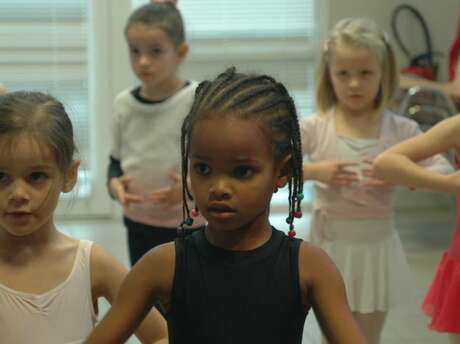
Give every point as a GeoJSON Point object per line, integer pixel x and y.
{"type": "Point", "coordinates": [353, 211]}
{"type": "Point", "coordinates": [237, 280]}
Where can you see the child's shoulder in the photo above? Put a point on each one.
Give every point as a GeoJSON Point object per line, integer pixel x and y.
{"type": "Point", "coordinates": [314, 263]}
{"type": "Point", "coordinates": [192, 84]}
{"type": "Point", "coordinates": [124, 95]}
{"type": "Point", "coordinates": [400, 120]}
{"type": "Point", "coordinates": [188, 91]}
{"type": "Point", "coordinates": [313, 126]}
{"type": "Point", "coordinates": [309, 253]}
{"type": "Point", "coordinates": [313, 117]}
{"type": "Point", "coordinates": [163, 253]}
{"type": "Point", "coordinates": [157, 268]}
{"type": "Point", "coordinates": [315, 120]}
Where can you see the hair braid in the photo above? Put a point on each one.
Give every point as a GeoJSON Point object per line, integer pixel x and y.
{"type": "Point", "coordinates": [232, 91]}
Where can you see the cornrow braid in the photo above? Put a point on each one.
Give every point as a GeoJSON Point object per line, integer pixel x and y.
{"type": "Point", "coordinates": [255, 97]}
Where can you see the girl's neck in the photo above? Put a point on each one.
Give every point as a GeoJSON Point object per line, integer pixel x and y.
{"type": "Point", "coordinates": [358, 125]}
{"type": "Point", "coordinates": [162, 91]}
{"type": "Point", "coordinates": [28, 245]}
{"type": "Point", "coordinates": [245, 238]}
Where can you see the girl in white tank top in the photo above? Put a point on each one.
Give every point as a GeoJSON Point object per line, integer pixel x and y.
{"type": "Point", "coordinates": [49, 282]}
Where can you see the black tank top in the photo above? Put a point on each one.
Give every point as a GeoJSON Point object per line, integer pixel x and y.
{"type": "Point", "coordinates": [222, 297]}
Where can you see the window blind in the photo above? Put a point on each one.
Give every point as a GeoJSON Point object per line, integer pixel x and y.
{"type": "Point", "coordinates": [242, 18]}
{"type": "Point", "coordinates": [43, 47]}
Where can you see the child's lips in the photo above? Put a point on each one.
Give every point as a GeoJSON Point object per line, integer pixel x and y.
{"type": "Point", "coordinates": [145, 74]}
{"type": "Point", "coordinates": [18, 215]}
{"type": "Point", "coordinates": [221, 212]}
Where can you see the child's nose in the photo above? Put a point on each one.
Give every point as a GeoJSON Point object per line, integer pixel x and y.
{"type": "Point", "coordinates": [19, 192]}
{"type": "Point", "coordinates": [220, 189]}
{"type": "Point", "coordinates": [354, 82]}
{"type": "Point", "coordinates": [144, 60]}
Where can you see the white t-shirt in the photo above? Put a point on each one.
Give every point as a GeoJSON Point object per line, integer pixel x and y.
{"type": "Point", "coordinates": [146, 141]}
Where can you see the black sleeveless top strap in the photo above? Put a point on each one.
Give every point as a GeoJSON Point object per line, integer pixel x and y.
{"type": "Point", "coordinates": [222, 297]}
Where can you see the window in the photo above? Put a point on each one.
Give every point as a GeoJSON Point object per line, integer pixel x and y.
{"type": "Point", "coordinates": [49, 46]}
{"type": "Point", "coordinates": [44, 48]}
{"type": "Point", "coordinates": [242, 18]}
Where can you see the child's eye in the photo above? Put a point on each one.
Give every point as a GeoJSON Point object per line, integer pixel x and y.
{"type": "Point", "coordinates": [4, 178]}
{"type": "Point", "coordinates": [134, 51]}
{"type": "Point", "coordinates": [341, 73]}
{"type": "Point", "coordinates": [366, 72]}
{"type": "Point", "coordinates": [243, 172]}
{"type": "Point", "coordinates": [35, 177]}
{"type": "Point", "coordinates": [201, 169]}
{"type": "Point", "coordinates": [156, 51]}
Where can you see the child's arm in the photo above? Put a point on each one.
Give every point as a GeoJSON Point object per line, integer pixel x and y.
{"type": "Point", "coordinates": [117, 184]}
{"type": "Point", "coordinates": [171, 195]}
{"type": "Point", "coordinates": [398, 164]}
{"type": "Point", "coordinates": [451, 88]}
{"type": "Point", "coordinates": [323, 286]}
{"type": "Point", "coordinates": [334, 173]}
{"type": "Point", "coordinates": [132, 298]}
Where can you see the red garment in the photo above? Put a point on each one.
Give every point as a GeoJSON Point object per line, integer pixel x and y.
{"type": "Point", "coordinates": [442, 302]}
{"type": "Point", "coordinates": [453, 53]}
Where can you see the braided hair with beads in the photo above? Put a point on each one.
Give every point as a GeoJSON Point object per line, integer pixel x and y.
{"type": "Point", "coordinates": [254, 97]}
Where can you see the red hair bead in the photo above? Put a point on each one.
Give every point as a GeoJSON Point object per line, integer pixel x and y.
{"type": "Point", "coordinates": [291, 233]}
{"type": "Point", "coordinates": [195, 212]}
{"type": "Point", "coordinates": [297, 214]}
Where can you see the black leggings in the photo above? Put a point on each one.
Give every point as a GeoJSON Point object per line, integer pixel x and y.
{"type": "Point", "coordinates": [142, 238]}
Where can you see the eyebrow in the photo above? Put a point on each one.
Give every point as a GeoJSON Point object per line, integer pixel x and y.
{"type": "Point", "coordinates": [34, 167]}
{"type": "Point", "coordinates": [237, 159]}
{"type": "Point", "coordinates": [197, 156]}
{"type": "Point", "coordinates": [41, 167]}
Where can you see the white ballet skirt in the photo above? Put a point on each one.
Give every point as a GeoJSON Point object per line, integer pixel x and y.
{"type": "Point", "coordinates": [360, 238]}
{"type": "Point", "coordinates": [370, 257]}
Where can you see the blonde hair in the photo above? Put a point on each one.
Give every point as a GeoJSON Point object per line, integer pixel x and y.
{"type": "Point", "coordinates": [359, 33]}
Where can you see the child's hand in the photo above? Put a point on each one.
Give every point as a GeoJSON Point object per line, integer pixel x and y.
{"type": "Point", "coordinates": [370, 180]}
{"type": "Point", "coordinates": [452, 89]}
{"type": "Point", "coordinates": [335, 173]}
{"type": "Point", "coordinates": [171, 195]}
{"type": "Point", "coordinates": [118, 187]}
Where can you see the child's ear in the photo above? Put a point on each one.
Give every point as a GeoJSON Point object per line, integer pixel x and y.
{"type": "Point", "coordinates": [71, 176]}
{"type": "Point", "coordinates": [284, 171]}
{"type": "Point", "coordinates": [182, 51]}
